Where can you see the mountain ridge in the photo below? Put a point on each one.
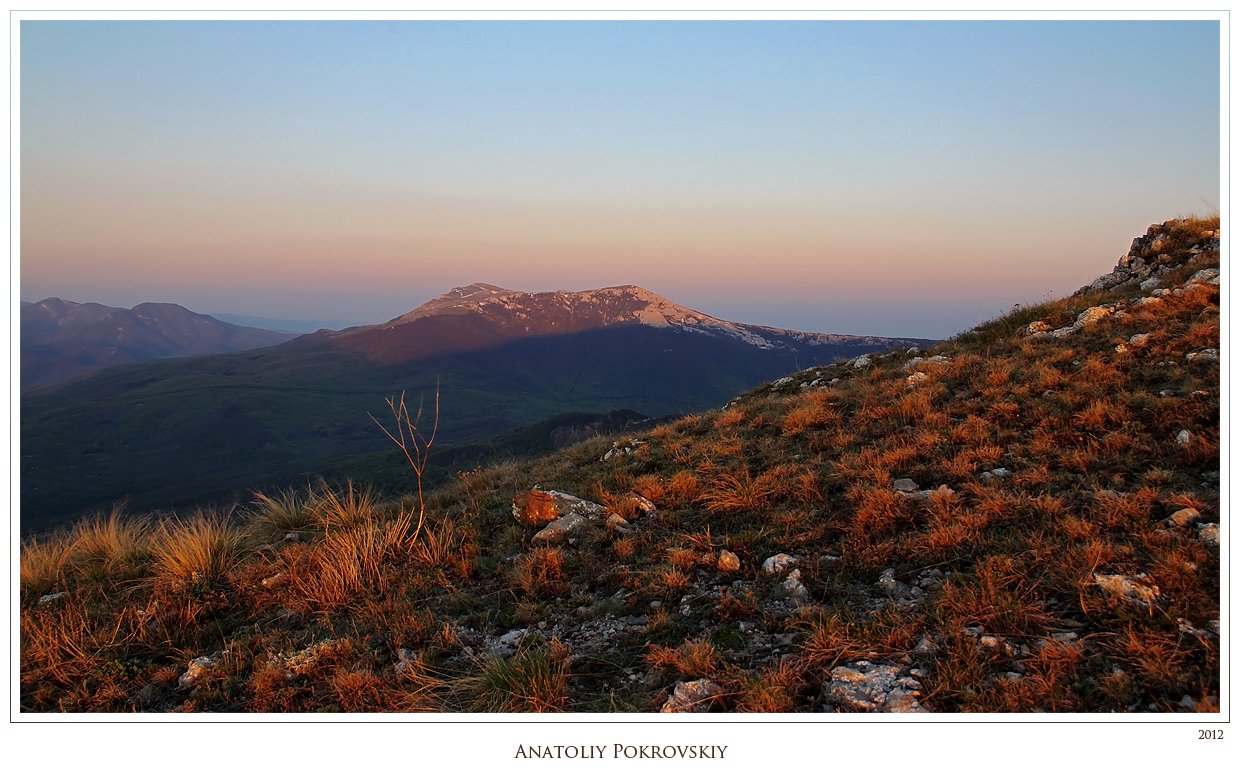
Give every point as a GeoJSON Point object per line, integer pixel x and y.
{"type": "Point", "coordinates": [61, 339]}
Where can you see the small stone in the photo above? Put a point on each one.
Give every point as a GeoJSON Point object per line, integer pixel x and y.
{"type": "Point", "coordinates": [728, 562]}
{"type": "Point", "coordinates": [915, 379]}
{"type": "Point", "coordinates": [1037, 327]}
{"type": "Point", "coordinates": [1183, 437]}
{"type": "Point", "coordinates": [1150, 283]}
{"type": "Point", "coordinates": [1205, 354]}
{"type": "Point", "coordinates": [1183, 517]}
{"type": "Point", "coordinates": [694, 696]}
{"type": "Point", "coordinates": [1132, 588]}
{"type": "Point", "coordinates": [198, 668]}
{"type": "Point", "coordinates": [905, 485]}
{"type": "Point", "coordinates": [292, 536]}
{"type": "Point", "coordinates": [617, 523]}
{"type": "Point", "coordinates": [925, 646]}
{"type": "Point", "coordinates": [794, 588]}
{"type": "Point", "coordinates": [887, 581]}
{"type": "Point", "coordinates": [51, 598]}
{"type": "Point", "coordinates": [1208, 534]}
{"type": "Point", "coordinates": [861, 362]}
{"type": "Point", "coordinates": [558, 530]}
{"type": "Point", "coordinates": [1139, 340]}
{"type": "Point", "coordinates": [1093, 315]}
{"type": "Point", "coordinates": [777, 564]}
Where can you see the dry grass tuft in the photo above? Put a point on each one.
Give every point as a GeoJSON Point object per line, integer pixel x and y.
{"type": "Point", "coordinates": [200, 551]}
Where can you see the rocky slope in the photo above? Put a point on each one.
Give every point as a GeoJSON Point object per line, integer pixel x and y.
{"type": "Point", "coordinates": [1025, 518]}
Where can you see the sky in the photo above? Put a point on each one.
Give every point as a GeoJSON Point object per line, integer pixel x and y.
{"type": "Point", "coordinates": [889, 178]}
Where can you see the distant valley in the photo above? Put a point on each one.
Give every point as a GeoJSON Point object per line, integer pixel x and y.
{"type": "Point", "coordinates": [213, 428]}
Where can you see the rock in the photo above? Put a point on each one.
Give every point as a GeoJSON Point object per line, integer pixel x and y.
{"type": "Point", "coordinates": [861, 362]}
{"type": "Point", "coordinates": [941, 490]}
{"type": "Point", "coordinates": [887, 581]}
{"type": "Point", "coordinates": [1064, 332]}
{"type": "Point", "coordinates": [904, 485]}
{"type": "Point", "coordinates": [1150, 283]}
{"type": "Point", "coordinates": [405, 658]}
{"type": "Point", "coordinates": [199, 668]}
{"type": "Point", "coordinates": [509, 643]}
{"type": "Point", "coordinates": [558, 530]}
{"type": "Point", "coordinates": [1093, 315]}
{"type": "Point", "coordinates": [646, 509]}
{"type": "Point", "coordinates": [304, 659]}
{"type": "Point", "coordinates": [51, 598]}
{"type": "Point", "coordinates": [915, 379]}
{"type": "Point", "coordinates": [1136, 588]}
{"type": "Point", "coordinates": [794, 588]}
{"type": "Point", "coordinates": [617, 523]}
{"type": "Point", "coordinates": [996, 473]}
{"type": "Point", "coordinates": [1203, 276]}
{"type": "Point", "coordinates": [1208, 534]}
{"type": "Point", "coordinates": [1037, 327]}
{"type": "Point", "coordinates": [1139, 340]}
{"type": "Point", "coordinates": [1183, 437]}
{"type": "Point", "coordinates": [728, 562]}
{"type": "Point", "coordinates": [925, 647]}
{"type": "Point", "coordinates": [869, 687]}
{"type": "Point", "coordinates": [619, 448]}
{"type": "Point", "coordinates": [693, 696]}
{"type": "Point", "coordinates": [292, 537]}
{"type": "Point", "coordinates": [777, 564]}
{"type": "Point", "coordinates": [1110, 280]}
{"type": "Point", "coordinates": [536, 506]}
{"type": "Point", "coordinates": [1204, 355]}
{"type": "Point", "coordinates": [274, 579]}
{"type": "Point", "coordinates": [1183, 517]}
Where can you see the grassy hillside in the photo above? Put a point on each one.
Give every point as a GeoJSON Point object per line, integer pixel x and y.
{"type": "Point", "coordinates": [177, 433]}
{"type": "Point", "coordinates": [1025, 518]}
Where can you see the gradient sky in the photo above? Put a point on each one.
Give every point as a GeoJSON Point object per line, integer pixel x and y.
{"type": "Point", "coordinates": [895, 178]}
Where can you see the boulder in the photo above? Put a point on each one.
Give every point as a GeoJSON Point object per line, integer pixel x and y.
{"type": "Point", "coordinates": [536, 507]}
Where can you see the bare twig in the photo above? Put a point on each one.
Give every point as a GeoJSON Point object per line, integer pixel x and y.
{"type": "Point", "coordinates": [413, 443]}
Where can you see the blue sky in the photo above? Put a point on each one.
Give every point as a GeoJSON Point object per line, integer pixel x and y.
{"type": "Point", "coordinates": [865, 177]}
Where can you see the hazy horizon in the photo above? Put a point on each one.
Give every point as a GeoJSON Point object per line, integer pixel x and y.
{"type": "Point", "coordinates": [887, 178]}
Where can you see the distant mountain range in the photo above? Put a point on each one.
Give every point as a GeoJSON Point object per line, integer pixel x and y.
{"type": "Point", "coordinates": [211, 428]}
{"type": "Point", "coordinates": [62, 340]}
{"type": "Point", "coordinates": [290, 326]}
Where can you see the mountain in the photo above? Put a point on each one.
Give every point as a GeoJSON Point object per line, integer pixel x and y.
{"type": "Point", "coordinates": [1024, 519]}
{"type": "Point", "coordinates": [61, 340]}
{"type": "Point", "coordinates": [211, 428]}
{"type": "Point", "coordinates": [482, 316]}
